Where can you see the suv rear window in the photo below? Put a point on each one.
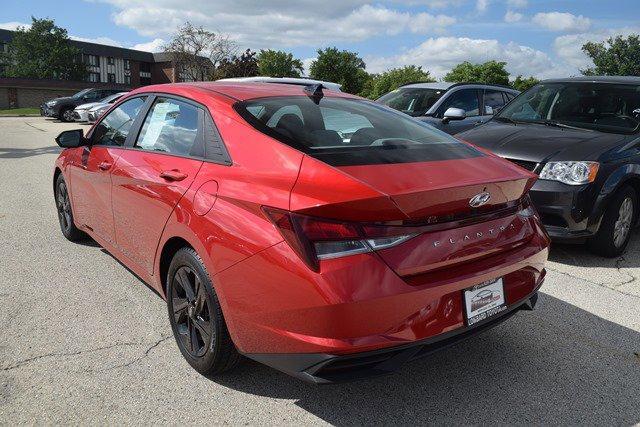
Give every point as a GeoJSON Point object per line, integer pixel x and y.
{"type": "Point", "coordinates": [344, 132]}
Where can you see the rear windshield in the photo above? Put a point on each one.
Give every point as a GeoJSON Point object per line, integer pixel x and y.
{"type": "Point", "coordinates": [412, 101]}
{"type": "Point", "coordinates": [345, 132]}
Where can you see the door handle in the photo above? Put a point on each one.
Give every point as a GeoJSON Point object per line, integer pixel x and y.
{"type": "Point", "coordinates": [173, 175]}
{"type": "Point", "coordinates": [105, 166]}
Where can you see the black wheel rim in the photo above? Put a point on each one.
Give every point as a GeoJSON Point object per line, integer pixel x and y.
{"type": "Point", "coordinates": [191, 312]}
{"type": "Point", "coordinates": [64, 206]}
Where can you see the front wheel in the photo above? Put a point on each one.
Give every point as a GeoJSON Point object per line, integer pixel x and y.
{"type": "Point", "coordinates": [66, 115]}
{"type": "Point", "coordinates": [65, 212]}
{"type": "Point", "coordinates": [196, 317]}
{"type": "Point", "coordinates": [618, 220]}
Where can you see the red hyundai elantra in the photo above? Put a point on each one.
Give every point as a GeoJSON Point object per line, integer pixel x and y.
{"type": "Point", "coordinates": [314, 231]}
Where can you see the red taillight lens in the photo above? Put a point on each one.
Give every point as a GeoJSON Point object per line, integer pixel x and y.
{"type": "Point", "coordinates": [314, 239]}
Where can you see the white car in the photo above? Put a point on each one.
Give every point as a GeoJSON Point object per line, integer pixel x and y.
{"type": "Point", "coordinates": [285, 80]}
{"type": "Point", "coordinates": [81, 112]}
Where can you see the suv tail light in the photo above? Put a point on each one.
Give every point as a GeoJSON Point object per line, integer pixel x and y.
{"type": "Point", "coordinates": [314, 239]}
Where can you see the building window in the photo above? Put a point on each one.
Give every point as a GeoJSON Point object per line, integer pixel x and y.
{"type": "Point", "coordinates": [127, 64]}
{"type": "Point", "coordinates": [93, 77]}
{"type": "Point", "coordinates": [145, 67]}
{"type": "Point", "coordinates": [111, 77]}
{"type": "Point", "coordinates": [91, 60]}
{"type": "Point", "coordinates": [110, 60]}
{"type": "Point", "coordinates": [127, 80]}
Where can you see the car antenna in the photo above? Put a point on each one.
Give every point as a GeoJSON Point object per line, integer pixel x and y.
{"type": "Point", "coordinates": [314, 92]}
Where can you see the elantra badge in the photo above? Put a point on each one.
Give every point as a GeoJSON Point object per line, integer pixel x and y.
{"type": "Point", "coordinates": [479, 199]}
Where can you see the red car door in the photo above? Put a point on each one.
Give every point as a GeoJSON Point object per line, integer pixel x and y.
{"type": "Point", "coordinates": [151, 176]}
{"type": "Point", "coordinates": [90, 174]}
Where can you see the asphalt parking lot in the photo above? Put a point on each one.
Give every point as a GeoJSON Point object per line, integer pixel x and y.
{"type": "Point", "coordinates": [83, 340]}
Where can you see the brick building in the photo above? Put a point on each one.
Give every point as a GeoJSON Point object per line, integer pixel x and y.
{"type": "Point", "coordinates": [107, 66]}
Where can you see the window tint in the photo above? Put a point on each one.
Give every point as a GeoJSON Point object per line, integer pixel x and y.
{"type": "Point", "coordinates": [171, 127]}
{"type": "Point", "coordinates": [344, 132]}
{"type": "Point", "coordinates": [412, 101]}
{"type": "Point", "coordinates": [114, 128]}
{"type": "Point", "coordinates": [466, 99]}
{"type": "Point", "coordinates": [493, 99]}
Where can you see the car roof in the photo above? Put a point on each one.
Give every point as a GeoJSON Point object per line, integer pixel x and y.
{"type": "Point", "coordinates": [597, 79]}
{"type": "Point", "coordinates": [237, 91]}
{"type": "Point", "coordinates": [449, 85]}
{"type": "Point", "coordinates": [288, 80]}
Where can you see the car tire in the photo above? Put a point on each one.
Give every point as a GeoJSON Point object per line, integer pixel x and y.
{"type": "Point", "coordinates": [65, 212]}
{"type": "Point", "coordinates": [617, 223]}
{"type": "Point", "coordinates": [66, 114]}
{"type": "Point", "coordinates": [196, 317]}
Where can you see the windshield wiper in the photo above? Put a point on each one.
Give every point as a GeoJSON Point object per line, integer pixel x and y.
{"type": "Point", "coordinates": [560, 125]}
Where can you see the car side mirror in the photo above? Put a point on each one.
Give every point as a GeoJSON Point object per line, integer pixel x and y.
{"type": "Point", "coordinates": [71, 138]}
{"type": "Point", "coordinates": [454, 114]}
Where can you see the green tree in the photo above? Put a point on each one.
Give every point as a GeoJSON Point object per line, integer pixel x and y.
{"type": "Point", "coordinates": [43, 51]}
{"type": "Point", "coordinates": [245, 65]}
{"type": "Point", "coordinates": [394, 78]}
{"type": "Point", "coordinates": [276, 63]}
{"type": "Point", "coordinates": [492, 72]}
{"type": "Point", "coordinates": [524, 83]}
{"type": "Point", "coordinates": [343, 67]}
{"type": "Point", "coordinates": [616, 57]}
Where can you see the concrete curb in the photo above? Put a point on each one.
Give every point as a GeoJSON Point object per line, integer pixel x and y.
{"type": "Point", "coordinates": [19, 115]}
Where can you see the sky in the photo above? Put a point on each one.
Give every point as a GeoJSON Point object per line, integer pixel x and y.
{"type": "Point", "coordinates": [542, 38]}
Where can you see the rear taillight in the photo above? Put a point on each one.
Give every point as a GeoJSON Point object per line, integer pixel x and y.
{"type": "Point", "coordinates": [314, 239]}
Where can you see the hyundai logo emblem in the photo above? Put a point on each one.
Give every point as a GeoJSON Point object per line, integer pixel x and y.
{"type": "Point", "coordinates": [479, 199]}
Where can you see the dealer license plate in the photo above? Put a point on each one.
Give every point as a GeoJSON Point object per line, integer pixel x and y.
{"type": "Point", "coordinates": [484, 301]}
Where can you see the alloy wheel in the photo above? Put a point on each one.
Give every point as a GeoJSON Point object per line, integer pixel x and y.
{"type": "Point", "coordinates": [191, 311]}
{"type": "Point", "coordinates": [623, 223]}
{"type": "Point", "coordinates": [68, 115]}
{"type": "Point", "coordinates": [64, 206]}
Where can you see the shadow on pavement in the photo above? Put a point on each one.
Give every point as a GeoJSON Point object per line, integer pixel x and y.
{"type": "Point", "coordinates": [558, 364]}
{"type": "Point", "coordinates": [19, 153]}
{"type": "Point", "coordinates": [579, 255]}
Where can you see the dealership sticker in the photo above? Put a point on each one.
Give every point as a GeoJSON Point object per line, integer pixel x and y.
{"type": "Point", "coordinates": [484, 300]}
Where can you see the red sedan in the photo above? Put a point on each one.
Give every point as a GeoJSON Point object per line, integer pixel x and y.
{"type": "Point", "coordinates": [314, 231]}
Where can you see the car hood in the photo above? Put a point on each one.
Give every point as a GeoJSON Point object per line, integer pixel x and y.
{"type": "Point", "coordinates": [87, 106]}
{"type": "Point", "coordinates": [97, 105]}
{"type": "Point", "coordinates": [537, 143]}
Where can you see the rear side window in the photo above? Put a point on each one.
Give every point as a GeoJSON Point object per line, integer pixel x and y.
{"type": "Point", "coordinates": [114, 128]}
{"type": "Point", "coordinates": [172, 126]}
{"type": "Point", "coordinates": [342, 131]}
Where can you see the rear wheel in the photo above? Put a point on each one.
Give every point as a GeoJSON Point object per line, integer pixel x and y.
{"type": "Point", "coordinates": [65, 212]}
{"type": "Point", "coordinates": [196, 317]}
{"type": "Point", "coordinates": [618, 220]}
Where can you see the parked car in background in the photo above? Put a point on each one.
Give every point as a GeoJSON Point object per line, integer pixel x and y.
{"type": "Point", "coordinates": [81, 112]}
{"type": "Point", "coordinates": [581, 135]}
{"type": "Point", "coordinates": [62, 108]}
{"type": "Point", "coordinates": [301, 81]}
{"type": "Point", "coordinates": [450, 107]}
{"type": "Point", "coordinates": [271, 236]}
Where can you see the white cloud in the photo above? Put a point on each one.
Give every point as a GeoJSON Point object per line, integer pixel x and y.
{"type": "Point", "coordinates": [439, 55]}
{"type": "Point", "coordinates": [154, 45]}
{"type": "Point", "coordinates": [517, 4]}
{"type": "Point", "coordinates": [512, 16]}
{"type": "Point", "coordinates": [481, 5]}
{"type": "Point", "coordinates": [569, 47]}
{"type": "Point", "coordinates": [12, 26]}
{"type": "Point", "coordinates": [562, 21]}
{"type": "Point", "coordinates": [280, 23]}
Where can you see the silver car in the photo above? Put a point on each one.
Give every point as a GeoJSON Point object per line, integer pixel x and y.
{"type": "Point", "coordinates": [81, 112]}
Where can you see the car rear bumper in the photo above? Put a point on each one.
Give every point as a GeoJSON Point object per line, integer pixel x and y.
{"type": "Point", "coordinates": [323, 368]}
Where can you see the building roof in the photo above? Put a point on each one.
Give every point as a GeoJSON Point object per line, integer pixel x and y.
{"type": "Point", "coordinates": [97, 49]}
{"type": "Point", "coordinates": [598, 79]}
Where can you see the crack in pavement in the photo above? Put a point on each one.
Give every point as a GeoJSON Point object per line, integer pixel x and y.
{"type": "Point", "coordinates": [602, 285]}
{"type": "Point", "coordinates": [137, 359]}
{"type": "Point", "coordinates": [632, 278]}
{"type": "Point", "coordinates": [23, 362]}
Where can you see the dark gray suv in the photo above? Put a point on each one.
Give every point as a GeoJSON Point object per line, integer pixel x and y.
{"type": "Point", "coordinates": [450, 107]}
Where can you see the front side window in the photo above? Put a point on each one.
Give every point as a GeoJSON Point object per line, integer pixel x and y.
{"type": "Point", "coordinates": [605, 107]}
{"type": "Point", "coordinates": [114, 128]}
{"type": "Point", "coordinates": [171, 127]}
{"type": "Point", "coordinates": [412, 101]}
{"type": "Point", "coordinates": [465, 99]}
{"type": "Point", "coordinates": [494, 100]}
{"type": "Point", "coordinates": [342, 131]}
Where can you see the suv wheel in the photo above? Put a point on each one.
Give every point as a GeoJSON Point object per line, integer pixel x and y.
{"type": "Point", "coordinates": [615, 230]}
